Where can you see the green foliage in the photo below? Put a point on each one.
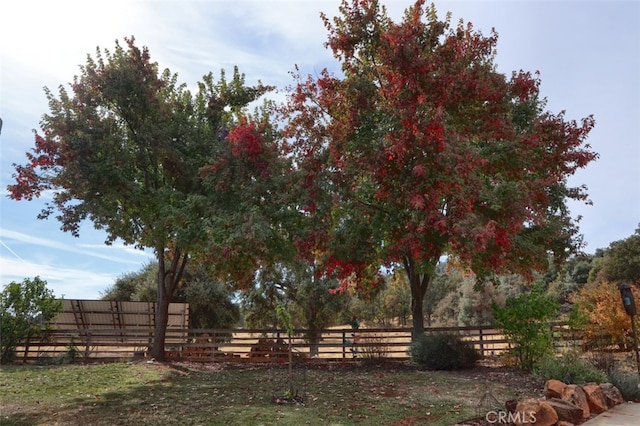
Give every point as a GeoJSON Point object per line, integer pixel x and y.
{"type": "Point", "coordinates": [569, 368]}
{"type": "Point", "coordinates": [418, 164]}
{"type": "Point", "coordinates": [25, 310]}
{"type": "Point", "coordinates": [284, 319]}
{"type": "Point", "coordinates": [628, 384]}
{"type": "Point", "coordinates": [129, 148]}
{"type": "Point", "coordinates": [138, 286]}
{"type": "Point", "coordinates": [210, 302]}
{"type": "Point", "coordinates": [443, 351]}
{"type": "Point", "coordinates": [526, 320]}
{"type": "Point", "coordinates": [622, 260]}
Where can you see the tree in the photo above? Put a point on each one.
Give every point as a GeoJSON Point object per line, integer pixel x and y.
{"type": "Point", "coordinates": [622, 260]}
{"type": "Point", "coordinates": [426, 150]}
{"type": "Point", "coordinates": [25, 309]}
{"type": "Point", "coordinates": [139, 286]}
{"type": "Point", "coordinates": [210, 301]}
{"type": "Point", "coordinates": [126, 148]}
{"type": "Point", "coordinates": [599, 313]}
{"type": "Point", "coordinates": [296, 288]}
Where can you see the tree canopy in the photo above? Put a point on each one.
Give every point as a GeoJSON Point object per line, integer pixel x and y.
{"type": "Point", "coordinates": [427, 150]}
{"type": "Point", "coordinates": [128, 149]}
{"type": "Point", "coordinates": [419, 149]}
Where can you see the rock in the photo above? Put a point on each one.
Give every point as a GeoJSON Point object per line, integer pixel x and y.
{"type": "Point", "coordinates": [534, 411]}
{"type": "Point", "coordinates": [595, 397]}
{"type": "Point", "coordinates": [567, 411]}
{"type": "Point", "coordinates": [511, 405]}
{"type": "Point", "coordinates": [563, 423]}
{"type": "Point", "coordinates": [575, 394]}
{"type": "Point", "coordinates": [612, 394]}
{"type": "Point", "coordinates": [553, 388]}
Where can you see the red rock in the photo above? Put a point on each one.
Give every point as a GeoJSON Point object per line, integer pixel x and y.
{"type": "Point", "coordinates": [575, 394]}
{"type": "Point", "coordinates": [612, 394]}
{"type": "Point", "coordinates": [595, 397]}
{"type": "Point", "coordinates": [532, 411]}
{"type": "Point", "coordinates": [567, 411]}
{"type": "Point", "coordinates": [553, 388]}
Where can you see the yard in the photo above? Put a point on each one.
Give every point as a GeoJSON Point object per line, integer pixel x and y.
{"type": "Point", "coordinates": [332, 393]}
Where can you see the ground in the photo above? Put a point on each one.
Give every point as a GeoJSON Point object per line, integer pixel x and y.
{"type": "Point", "coordinates": [251, 394]}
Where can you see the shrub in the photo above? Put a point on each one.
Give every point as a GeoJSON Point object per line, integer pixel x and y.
{"type": "Point", "coordinates": [443, 351]}
{"type": "Point", "coordinates": [569, 369]}
{"type": "Point", "coordinates": [627, 383]}
{"type": "Point", "coordinates": [526, 320]}
{"type": "Point", "coordinates": [373, 348]}
{"type": "Point", "coordinates": [25, 309]}
{"type": "Point", "coordinates": [602, 360]}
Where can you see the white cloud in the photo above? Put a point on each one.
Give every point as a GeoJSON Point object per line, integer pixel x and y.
{"type": "Point", "coordinates": [68, 282]}
{"type": "Point", "coordinates": [9, 235]}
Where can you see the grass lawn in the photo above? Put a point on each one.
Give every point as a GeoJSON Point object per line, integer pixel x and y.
{"type": "Point", "coordinates": [246, 394]}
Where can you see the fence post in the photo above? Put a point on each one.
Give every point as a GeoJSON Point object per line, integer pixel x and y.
{"type": "Point", "coordinates": [481, 342]}
{"type": "Point", "coordinates": [344, 344]}
{"type": "Point", "coordinates": [26, 348]}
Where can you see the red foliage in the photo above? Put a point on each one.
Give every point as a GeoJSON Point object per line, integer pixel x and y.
{"type": "Point", "coordinates": [430, 149]}
{"type": "Point", "coordinates": [247, 143]}
{"type": "Point", "coordinates": [33, 178]}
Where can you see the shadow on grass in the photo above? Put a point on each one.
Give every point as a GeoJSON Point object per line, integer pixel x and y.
{"type": "Point", "coordinates": [246, 395]}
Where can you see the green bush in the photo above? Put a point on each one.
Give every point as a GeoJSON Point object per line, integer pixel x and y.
{"type": "Point", "coordinates": [443, 351]}
{"type": "Point", "coordinates": [569, 369]}
{"type": "Point", "coordinates": [627, 383]}
{"type": "Point", "coordinates": [25, 310]}
{"type": "Point", "coordinates": [526, 320]}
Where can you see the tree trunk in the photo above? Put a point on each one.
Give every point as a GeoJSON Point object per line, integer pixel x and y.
{"type": "Point", "coordinates": [161, 319]}
{"type": "Point", "coordinates": [419, 283]}
{"type": "Point", "coordinates": [167, 283]}
{"type": "Point", "coordinates": [314, 342]}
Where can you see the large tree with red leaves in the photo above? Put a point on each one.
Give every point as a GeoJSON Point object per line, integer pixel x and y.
{"type": "Point", "coordinates": [422, 149]}
{"type": "Point", "coordinates": [134, 152]}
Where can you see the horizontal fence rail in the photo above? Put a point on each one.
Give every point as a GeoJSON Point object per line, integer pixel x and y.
{"type": "Point", "coordinates": [258, 345]}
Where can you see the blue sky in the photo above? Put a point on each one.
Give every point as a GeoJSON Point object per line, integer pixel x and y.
{"type": "Point", "coordinates": [587, 52]}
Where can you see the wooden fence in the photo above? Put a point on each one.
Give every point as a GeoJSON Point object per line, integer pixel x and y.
{"type": "Point", "coordinates": [239, 345]}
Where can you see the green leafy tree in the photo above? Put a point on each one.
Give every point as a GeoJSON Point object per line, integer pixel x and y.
{"type": "Point", "coordinates": [421, 149]}
{"type": "Point", "coordinates": [139, 286]}
{"type": "Point", "coordinates": [622, 260]}
{"type": "Point", "coordinates": [526, 320]}
{"type": "Point", "coordinates": [210, 302]}
{"type": "Point", "coordinates": [308, 299]}
{"type": "Point", "coordinates": [25, 310]}
{"type": "Point", "coordinates": [273, 287]}
{"type": "Point", "coordinates": [125, 149]}
{"type": "Point", "coordinates": [396, 298]}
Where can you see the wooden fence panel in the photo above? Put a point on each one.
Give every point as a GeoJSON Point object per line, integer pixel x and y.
{"type": "Point", "coordinates": [206, 345]}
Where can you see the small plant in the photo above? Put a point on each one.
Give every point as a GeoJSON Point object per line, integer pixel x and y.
{"type": "Point", "coordinates": [569, 368]}
{"type": "Point", "coordinates": [443, 351]}
{"type": "Point", "coordinates": [526, 320]}
{"type": "Point", "coordinates": [373, 348]}
{"type": "Point", "coordinates": [603, 360]}
{"type": "Point", "coordinates": [627, 383]}
{"type": "Point", "coordinates": [72, 351]}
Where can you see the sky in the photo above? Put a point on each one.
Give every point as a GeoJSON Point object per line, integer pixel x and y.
{"type": "Point", "coordinates": [587, 53]}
